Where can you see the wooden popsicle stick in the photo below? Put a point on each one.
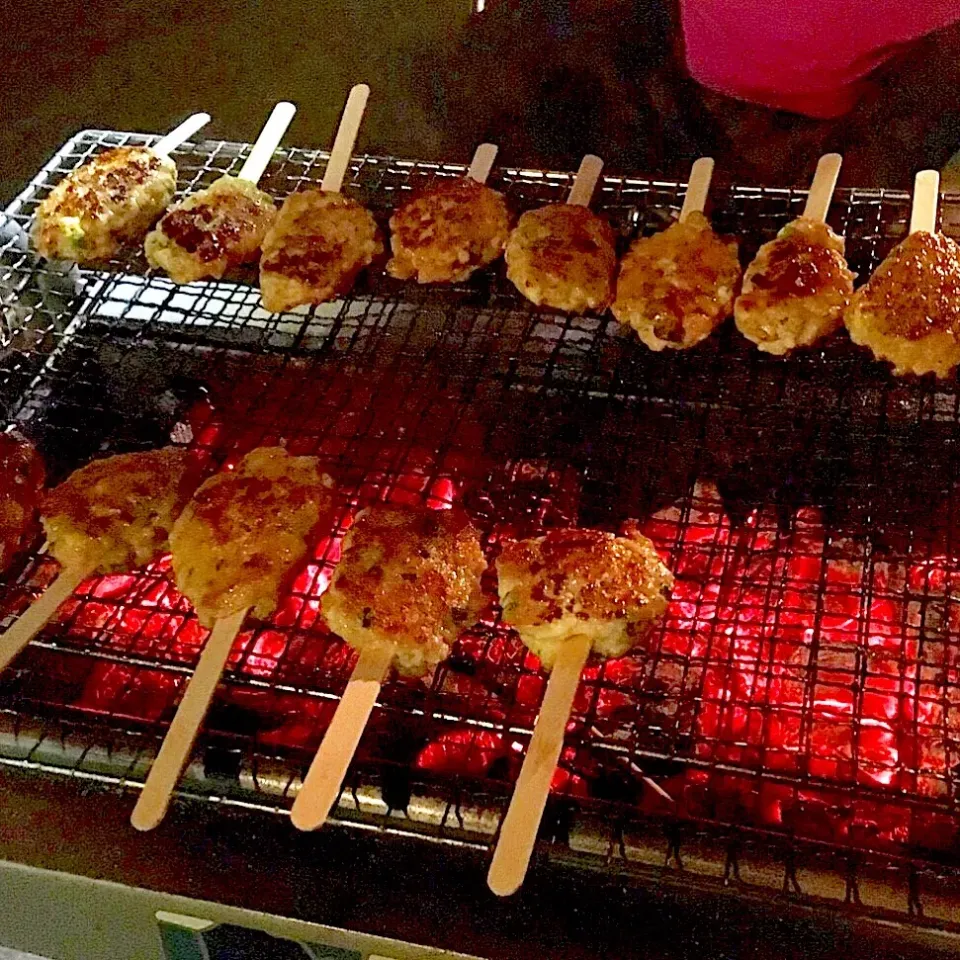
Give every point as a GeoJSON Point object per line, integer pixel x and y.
{"type": "Point", "coordinates": [821, 190]}
{"type": "Point", "coordinates": [519, 831]}
{"type": "Point", "coordinates": [658, 789]}
{"type": "Point", "coordinates": [482, 162]}
{"type": "Point", "coordinates": [178, 744]}
{"type": "Point", "coordinates": [329, 768]}
{"type": "Point", "coordinates": [585, 181]}
{"type": "Point", "coordinates": [37, 615]}
{"type": "Point", "coordinates": [698, 187]}
{"type": "Point", "coordinates": [926, 200]}
{"type": "Point", "coordinates": [181, 133]}
{"type": "Point", "coordinates": [268, 141]}
{"type": "Point", "coordinates": [346, 137]}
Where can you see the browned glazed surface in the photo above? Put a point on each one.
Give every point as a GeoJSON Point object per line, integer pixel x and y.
{"type": "Point", "coordinates": [805, 261]}
{"type": "Point", "coordinates": [412, 574]}
{"type": "Point", "coordinates": [117, 513]}
{"type": "Point", "coordinates": [213, 229]}
{"type": "Point", "coordinates": [679, 283]}
{"type": "Point", "coordinates": [111, 176]}
{"type": "Point", "coordinates": [448, 231]}
{"type": "Point", "coordinates": [563, 256]}
{"type": "Point", "coordinates": [916, 290]}
{"type": "Point", "coordinates": [22, 476]}
{"type": "Point", "coordinates": [246, 529]}
{"type": "Point", "coordinates": [112, 492]}
{"type": "Point", "coordinates": [585, 574]}
{"type": "Point", "coordinates": [320, 239]}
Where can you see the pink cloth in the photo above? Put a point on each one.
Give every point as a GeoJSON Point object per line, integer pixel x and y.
{"type": "Point", "coordinates": [807, 56]}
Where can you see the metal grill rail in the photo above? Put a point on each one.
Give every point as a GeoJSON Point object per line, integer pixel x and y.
{"type": "Point", "coordinates": [800, 705]}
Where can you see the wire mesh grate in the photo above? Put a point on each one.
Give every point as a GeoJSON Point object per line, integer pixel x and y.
{"type": "Point", "coordinates": [805, 684]}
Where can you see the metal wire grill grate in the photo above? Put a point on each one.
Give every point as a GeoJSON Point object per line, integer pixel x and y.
{"type": "Point", "coordinates": [805, 685]}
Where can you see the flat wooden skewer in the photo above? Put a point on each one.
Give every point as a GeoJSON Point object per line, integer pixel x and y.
{"type": "Point", "coordinates": [345, 139]}
{"type": "Point", "coordinates": [268, 141]}
{"type": "Point", "coordinates": [178, 744]}
{"type": "Point", "coordinates": [698, 187]}
{"type": "Point", "coordinates": [585, 182]}
{"type": "Point", "coordinates": [321, 787]}
{"type": "Point", "coordinates": [175, 750]}
{"type": "Point", "coordinates": [181, 133]}
{"type": "Point", "coordinates": [482, 163]}
{"type": "Point", "coordinates": [821, 189]}
{"type": "Point", "coordinates": [324, 779]}
{"type": "Point", "coordinates": [926, 200]}
{"type": "Point", "coordinates": [329, 767]}
{"type": "Point", "coordinates": [519, 831]}
{"type": "Point", "coordinates": [37, 615]}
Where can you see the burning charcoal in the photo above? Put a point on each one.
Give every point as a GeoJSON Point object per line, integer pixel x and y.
{"type": "Point", "coordinates": [850, 702]}
{"type": "Point", "coordinates": [467, 752]}
{"type": "Point", "coordinates": [524, 498]}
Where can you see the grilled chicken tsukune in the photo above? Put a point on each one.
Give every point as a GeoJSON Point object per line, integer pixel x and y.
{"type": "Point", "coordinates": [574, 582]}
{"type": "Point", "coordinates": [909, 310]}
{"type": "Point", "coordinates": [117, 513]}
{"type": "Point", "coordinates": [211, 231]}
{"type": "Point", "coordinates": [676, 287]}
{"type": "Point", "coordinates": [408, 581]}
{"type": "Point", "coordinates": [797, 288]}
{"type": "Point", "coordinates": [562, 256]}
{"type": "Point", "coordinates": [315, 248]}
{"type": "Point", "coordinates": [104, 205]}
{"type": "Point", "coordinates": [246, 529]}
{"type": "Point", "coordinates": [447, 232]}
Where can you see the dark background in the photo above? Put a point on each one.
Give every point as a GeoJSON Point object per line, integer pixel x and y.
{"type": "Point", "coordinates": [548, 79]}
{"type": "Point", "coordinates": [136, 65]}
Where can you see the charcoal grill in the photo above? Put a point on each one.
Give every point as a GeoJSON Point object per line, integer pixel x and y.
{"type": "Point", "coordinates": [794, 732]}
